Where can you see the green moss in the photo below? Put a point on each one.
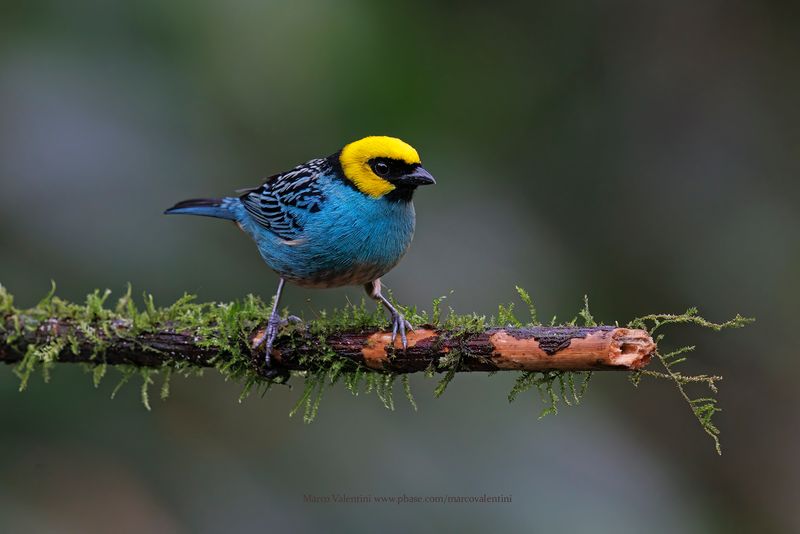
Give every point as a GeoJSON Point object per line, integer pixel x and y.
{"type": "Point", "coordinates": [147, 379]}
{"type": "Point", "coordinates": [506, 317]}
{"type": "Point", "coordinates": [554, 387]}
{"type": "Point", "coordinates": [449, 365]}
{"type": "Point", "coordinates": [437, 310]}
{"type": "Point", "coordinates": [526, 298]}
{"type": "Point", "coordinates": [225, 328]}
{"type": "Point", "coordinates": [6, 302]}
{"type": "Point", "coordinates": [585, 314]}
{"type": "Point", "coordinates": [43, 356]}
{"type": "Point", "coordinates": [98, 372]}
{"type": "Point", "coordinates": [407, 391]}
{"type": "Point", "coordinates": [469, 323]}
{"type": "Point", "coordinates": [127, 373]}
{"type": "Point", "coordinates": [702, 407]}
{"type": "Point", "coordinates": [165, 383]}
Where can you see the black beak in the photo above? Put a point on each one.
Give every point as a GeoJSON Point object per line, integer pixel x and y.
{"type": "Point", "coordinates": [418, 176]}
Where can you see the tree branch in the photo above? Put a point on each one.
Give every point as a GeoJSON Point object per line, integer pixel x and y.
{"type": "Point", "coordinates": [346, 345]}
{"type": "Point", "coordinates": [538, 348]}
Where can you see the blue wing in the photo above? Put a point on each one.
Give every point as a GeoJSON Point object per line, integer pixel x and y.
{"type": "Point", "coordinates": [282, 202]}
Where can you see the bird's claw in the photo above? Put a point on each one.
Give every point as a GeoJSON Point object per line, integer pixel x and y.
{"type": "Point", "coordinates": [400, 324]}
{"type": "Point", "coordinates": [291, 319]}
{"type": "Point", "coordinates": [274, 325]}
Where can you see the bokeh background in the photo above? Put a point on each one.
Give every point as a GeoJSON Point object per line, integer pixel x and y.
{"type": "Point", "coordinates": [645, 153]}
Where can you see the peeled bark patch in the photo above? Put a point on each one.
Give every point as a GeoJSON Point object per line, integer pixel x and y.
{"type": "Point", "coordinates": [574, 349]}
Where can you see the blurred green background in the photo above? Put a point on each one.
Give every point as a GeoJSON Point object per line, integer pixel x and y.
{"type": "Point", "coordinates": [645, 153]}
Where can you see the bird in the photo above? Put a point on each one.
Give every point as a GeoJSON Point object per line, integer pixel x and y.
{"type": "Point", "coordinates": [342, 220]}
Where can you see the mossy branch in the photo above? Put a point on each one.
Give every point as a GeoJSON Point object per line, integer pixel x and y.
{"type": "Point", "coordinates": [537, 348]}
{"type": "Point", "coordinates": [348, 345]}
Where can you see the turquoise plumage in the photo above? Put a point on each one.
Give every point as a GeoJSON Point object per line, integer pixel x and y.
{"type": "Point", "coordinates": [342, 220]}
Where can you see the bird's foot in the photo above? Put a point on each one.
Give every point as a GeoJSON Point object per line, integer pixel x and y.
{"type": "Point", "coordinates": [274, 325]}
{"type": "Point", "coordinates": [400, 324]}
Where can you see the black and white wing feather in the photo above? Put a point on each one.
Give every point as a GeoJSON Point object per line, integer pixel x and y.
{"type": "Point", "coordinates": [282, 203]}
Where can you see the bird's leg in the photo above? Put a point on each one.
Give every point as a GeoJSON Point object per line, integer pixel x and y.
{"type": "Point", "coordinates": [399, 323]}
{"type": "Point", "coordinates": [273, 325]}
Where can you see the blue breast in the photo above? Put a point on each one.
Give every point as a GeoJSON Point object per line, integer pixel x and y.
{"type": "Point", "coordinates": [352, 240]}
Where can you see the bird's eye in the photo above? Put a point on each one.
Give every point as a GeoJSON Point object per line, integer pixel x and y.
{"type": "Point", "coordinates": [381, 168]}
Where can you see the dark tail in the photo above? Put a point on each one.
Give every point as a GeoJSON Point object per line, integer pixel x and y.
{"type": "Point", "coordinates": [207, 207]}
